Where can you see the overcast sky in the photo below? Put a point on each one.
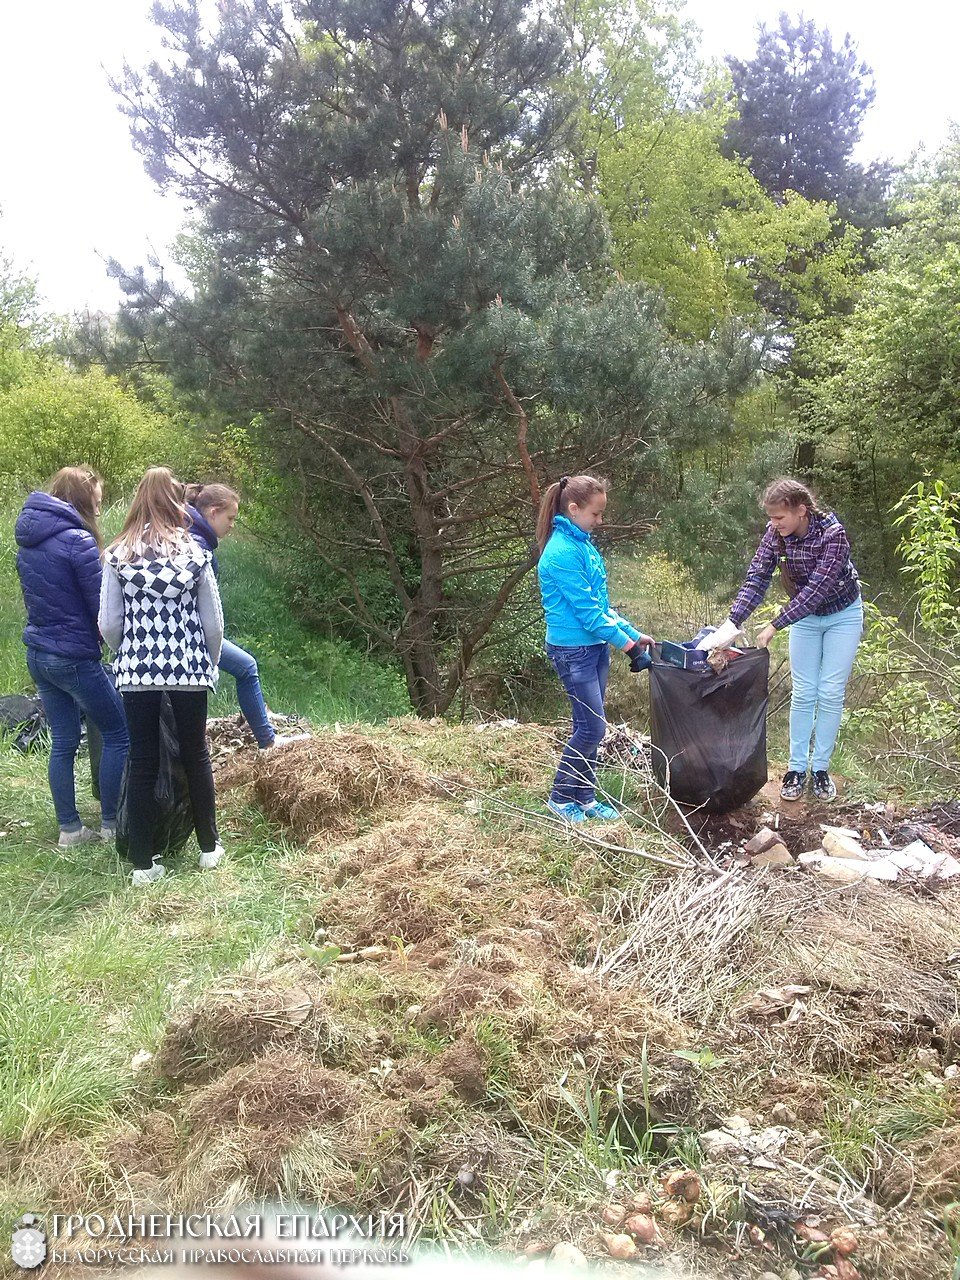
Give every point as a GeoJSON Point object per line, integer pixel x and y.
{"type": "Point", "coordinates": [71, 186]}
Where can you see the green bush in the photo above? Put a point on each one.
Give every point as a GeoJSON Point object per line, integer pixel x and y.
{"type": "Point", "coordinates": [55, 418]}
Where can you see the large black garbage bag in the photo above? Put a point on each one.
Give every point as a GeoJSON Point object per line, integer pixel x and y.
{"type": "Point", "coordinates": [174, 817]}
{"type": "Point", "coordinates": [709, 732]}
{"type": "Point", "coordinates": [23, 719]}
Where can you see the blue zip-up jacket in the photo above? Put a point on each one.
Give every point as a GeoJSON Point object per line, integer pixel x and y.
{"type": "Point", "coordinates": [58, 561]}
{"type": "Point", "coordinates": [201, 532]}
{"type": "Point", "coordinates": [573, 585]}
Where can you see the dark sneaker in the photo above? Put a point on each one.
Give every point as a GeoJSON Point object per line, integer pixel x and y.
{"type": "Point", "coordinates": [824, 787]}
{"type": "Point", "coordinates": [793, 784]}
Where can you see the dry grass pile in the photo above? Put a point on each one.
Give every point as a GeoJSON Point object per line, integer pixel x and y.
{"type": "Point", "coordinates": [232, 1024]}
{"type": "Point", "coordinates": [433, 876]}
{"type": "Point", "coordinates": [323, 784]}
{"type": "Point", "coordinates": [834, 978]}
{"type": "Point", "coordinates": [490, 755]}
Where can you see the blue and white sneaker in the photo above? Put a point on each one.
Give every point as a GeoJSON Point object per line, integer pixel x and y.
{"type": "Point", "coordinates": [597, 809]}
{"type": "Point", "coordinates": [568, 812]}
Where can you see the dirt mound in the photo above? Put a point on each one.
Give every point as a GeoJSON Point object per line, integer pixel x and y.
{"type": "Point", "coordinates": [280, 1091]}
{"type": "Point", "coordinates": [149, 1147]}
{"type": "Point", "coordinates": [232, 1024]}
{"type": "Point", "coordinates": [323, 783]}
{"type": "Point", "coordinates": [463, 1064]}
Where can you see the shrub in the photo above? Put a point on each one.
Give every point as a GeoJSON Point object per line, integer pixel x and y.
{"type": "Point", "coordinates": [55, 418]}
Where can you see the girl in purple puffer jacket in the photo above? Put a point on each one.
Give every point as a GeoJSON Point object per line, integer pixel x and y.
{"type": "Point", "coordinates": [58, 562]}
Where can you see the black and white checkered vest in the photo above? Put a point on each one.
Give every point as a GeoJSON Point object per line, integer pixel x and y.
{"type": "Point", "coordinates": [163, 645]}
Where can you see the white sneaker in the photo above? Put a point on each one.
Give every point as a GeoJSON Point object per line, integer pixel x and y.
{"type": "Point", "coordinates": [284, 740]}
{"type": "Point", "coordinates": [107, 832]}
{"type": "Point", "coordinates": [147, 875]}
{"type": "Point", "coordinates": [70, 839]}
{"type": "Point", "coordinates": [207, 861]}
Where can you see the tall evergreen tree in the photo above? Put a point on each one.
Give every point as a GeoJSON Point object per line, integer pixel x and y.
{"type": "Point", "coordinates": [802, 101]}
{"type": "Point", "coordinates": [395, 276]}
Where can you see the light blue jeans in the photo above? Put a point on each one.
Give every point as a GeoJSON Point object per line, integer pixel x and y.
{"type": "Point", "coordinates": [242, 666]}
{"type": "Point", "coordinates": [822, 650]}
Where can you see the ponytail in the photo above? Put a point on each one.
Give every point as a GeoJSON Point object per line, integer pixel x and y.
{"type": "Point", "coordinates": [210, 497]}
{"type": "Point", "coordinates": [558, 497]}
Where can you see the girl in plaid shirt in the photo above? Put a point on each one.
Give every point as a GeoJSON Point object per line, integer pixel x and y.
{"type": "Point", "coordinates": [825, 617]}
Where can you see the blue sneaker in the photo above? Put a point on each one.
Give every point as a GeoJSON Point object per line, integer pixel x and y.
{"type": "Point", "coordinates": [597, 809]}
{"type": "Point", "coordinates": [569, 812]}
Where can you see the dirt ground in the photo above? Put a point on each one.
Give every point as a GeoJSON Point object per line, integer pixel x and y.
{"type": "Point", "coordinates": [498, 1020]}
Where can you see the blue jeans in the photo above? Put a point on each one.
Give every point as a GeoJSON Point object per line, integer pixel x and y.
{"type": "Point", "coordinates": [822, 651]}
{"type": "Point", "coordinates": [66, 686]}
{"type": "Point", "coordinates": [242, 666]}
{"type": "Point", "coordinates": [583, 672]}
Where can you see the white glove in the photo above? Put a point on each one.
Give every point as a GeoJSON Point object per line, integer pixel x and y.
{"type": "Point", "coordinates": [724, 634]}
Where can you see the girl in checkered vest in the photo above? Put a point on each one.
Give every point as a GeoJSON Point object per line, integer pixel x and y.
{"type": "Point", "coordinates": [160, 614]}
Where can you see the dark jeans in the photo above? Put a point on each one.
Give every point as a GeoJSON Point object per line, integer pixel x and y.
{"type": "Point", "coordinates": [143, 720]}
{"type": "Point", "coordinates": [242, 666]}
{"type": "Point", "coordinates": [66, 686]}
{"type": "Point", "coordinates": [583, 672]}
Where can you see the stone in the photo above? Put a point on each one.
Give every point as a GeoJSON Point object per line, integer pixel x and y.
{"type": "Point", "coordinates": [777, 855]}
{"type": "Point", "coordinates": [568, 1255]}
{"type": "Point", "coordinates": [846, 871]}
{"type": "Point", "coordinates": [761, 841]}
{"type": "Point", "coordinates": [811, 857]}
{"type": "Point", "coordinates": [839, 845]}
{"type": "Point", "coordinates": [881, 869]}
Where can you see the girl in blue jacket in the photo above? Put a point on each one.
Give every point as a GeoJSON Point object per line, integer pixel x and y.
{"type": "Point", "coordinates": [58, 561]}
{"type": "Point", "coordinates": [580, 628]}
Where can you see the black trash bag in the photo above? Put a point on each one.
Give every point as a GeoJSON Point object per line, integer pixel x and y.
{"type": "Point", "coordinates": [174, 817]}
{"type": "Point", "coordinates": [709, 732]}
{"type": "Point", "coordinates": [23, 719]}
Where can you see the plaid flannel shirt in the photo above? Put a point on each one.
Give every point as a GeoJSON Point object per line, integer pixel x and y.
{"type": "Point", "coordinates": [819, 564]}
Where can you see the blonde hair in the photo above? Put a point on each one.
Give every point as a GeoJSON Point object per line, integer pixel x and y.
{"type": "Point", "coordinates": [559, 496]}
{"type": "Point", "coordinates": [77, 485]}
{"type": "Point", "coordinates": [157, 521]}
{"type": "Point", "coordinates": [787, 492]}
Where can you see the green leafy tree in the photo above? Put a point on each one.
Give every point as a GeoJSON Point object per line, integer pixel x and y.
{"type": "Point", "coordinates": [882, 399]}
{"type": "Point", "coordinates": [395, 273]}
{"type": "Point", "coordinates": [698, 224]}
{"type": "Point", "coordinates": [55, 417]}
{"type": "Point", "coordinates": [801, 103]}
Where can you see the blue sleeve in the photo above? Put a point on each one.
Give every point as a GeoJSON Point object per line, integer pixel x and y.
{"type": "Point", "coordinates": [628, 627]}
{"type": "Point", "coordinates": [85, 556]}
{"type": "Point", "coordinates": [573, 585]}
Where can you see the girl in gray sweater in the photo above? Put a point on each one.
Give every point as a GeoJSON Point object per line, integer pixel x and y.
{"type": "Point", "coordinates": [160, 613]}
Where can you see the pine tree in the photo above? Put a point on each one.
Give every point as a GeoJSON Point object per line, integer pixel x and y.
{"type": "Point", "coordinates": [394, 274]}
{"type": "Point", "coordinates": [802, 101]}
